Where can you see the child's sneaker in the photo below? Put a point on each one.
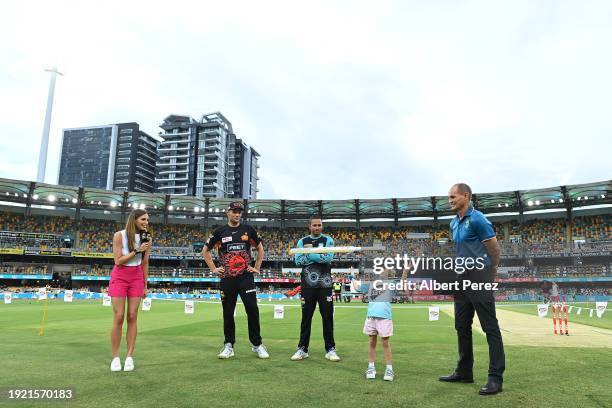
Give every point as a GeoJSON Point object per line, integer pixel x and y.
{"type": "Point", "coordinates": [388, 375]}
{"type": "Point", "coordinates": [371, 373]}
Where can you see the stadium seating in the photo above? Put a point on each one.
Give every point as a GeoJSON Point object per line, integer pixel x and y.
{"type": "Point", "coordinates": [593, 228]}
{"type": "Point", "coordinates": [96, 235]}
{"type": "Point", "coordinates": [533, 236]}
{"type": "Point", "coordinates": [556, 271]}
{"type": "Point", "coordinates": [23, 269]}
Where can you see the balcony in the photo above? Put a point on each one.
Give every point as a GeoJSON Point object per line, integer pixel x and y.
{"type": "Point", "coordinates": [210, 180]}
{"type": "Point", "coordinates": [212, 154]}
{"type": "Point", "coordinates": [186, 132]}
{"type": "Point", "coordinates": [167, 143]}
{"type": "Point", "coordinates": [146, 165]}
{"type": "Point", "coordinates": [169, 149]}
{"type": "Point", "coordinates": [172, 187]}
{"type": "Point", "coordinates": [144, 181]}
{"type": "Point", "coordinates": [161, 164]}
{"type": "Point", "coordinates": [171, 156]}
{"type": "Point", "coordinates": [139, 189]}
{"type": "Point", "coordinates": [173, 171]}
{"type": "Point", "coordinates": [212, 138]}
{"type": "Point", "coordinates": [211, 148]}
{"type": "Point", "coordinates": [147, 155]}
{"type": "Point", "coordinates": [147, 148]}
{"type": "Point", "coordinates": [214, 130]}
{"type": "Point", "coordinates": [175, 138]}
{"type": "Point", "coordinates": [164, 182]}
{"type": "Point", "coordinates": [211, 170]}
{"type": "Point", "coordinates": [163, 179]}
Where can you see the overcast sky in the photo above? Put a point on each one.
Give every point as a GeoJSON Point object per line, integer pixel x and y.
{"type": "Point", "coordinates": [342, 99]}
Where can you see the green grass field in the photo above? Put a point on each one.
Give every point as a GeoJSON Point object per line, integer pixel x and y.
{"type": "Point", "coordinates": [176, 363]}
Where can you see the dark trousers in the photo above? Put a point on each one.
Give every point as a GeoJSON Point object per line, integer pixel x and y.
{"type": "Point", "coordinates": [243, 285]}
{"type": "Point", "coordinates": [310, 298]}
{"type": "Point", "coordinates": [466, 303]}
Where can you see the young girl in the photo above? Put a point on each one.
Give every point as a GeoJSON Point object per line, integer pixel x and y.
{"type": "Point", "coordinates": [379, 323]}
{"type": "Point", "coordinates": [131, 248]}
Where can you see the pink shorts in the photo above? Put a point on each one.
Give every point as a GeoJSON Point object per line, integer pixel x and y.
{"type": "Point", "coordinates": [378, 326]}
{"type": "Point", "coordinates": [126, 281]}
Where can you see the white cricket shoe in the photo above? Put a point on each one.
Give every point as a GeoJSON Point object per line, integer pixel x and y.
{"type": "Point", "coordinates": [129, 364]}
{"type": "Point", "coordinates": [371, 373]}
{"type": "Point", "coordinates": [332, 355]}
{"type": "Point", "coordinates": [388, 375]}
{"type": "Point", "coordinates": [115, 364]}
{"type": "Point", "coordinates": [300, 354]}
{"type": "Point", "coordinates": [261, 351]}
{"type": "Point", "coordinates": [227, 352]}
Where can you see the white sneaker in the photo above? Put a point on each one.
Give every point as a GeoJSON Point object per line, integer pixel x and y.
{"type": "Point", "coordinates": [115, 364]}
{"type": "Point", "coordinates": [261, 351]}
{"type": "Point", "coordinates": [300, 354]}
{"type": "Point", "coordinates": [332, 355]}
{"type": "Point", "coordinates": [227, 352]}
{"type": "Point", "coordinates": [371, 373]}
{"type": "Point", "coordinates": [129, 364]}
{"type": "Point", "coordinates": [388, 375]}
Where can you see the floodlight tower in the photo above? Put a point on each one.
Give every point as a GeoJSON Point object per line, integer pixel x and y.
{"type": "Point", "coordinates": [44, 143]}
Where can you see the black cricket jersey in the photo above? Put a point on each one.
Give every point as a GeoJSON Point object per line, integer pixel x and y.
{"type": "Point", "coordinates": [316, 268]}
{"type": "Point", "coordinates": [234, 248]}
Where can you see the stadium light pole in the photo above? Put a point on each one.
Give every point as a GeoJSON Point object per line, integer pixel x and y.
{"type": "Point", "coordinates": [44, 143]}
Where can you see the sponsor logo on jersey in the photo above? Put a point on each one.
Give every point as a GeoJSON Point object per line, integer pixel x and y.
{"type": "Point", "coordinates": [236, 247]}
{"type": "Point", "coordinates": [236, 263]}
{"type": "Point", "coordinates": [226, 239]}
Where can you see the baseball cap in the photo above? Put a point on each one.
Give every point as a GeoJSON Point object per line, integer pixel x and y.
{"type": "Point", "coordinates": [236, 205]}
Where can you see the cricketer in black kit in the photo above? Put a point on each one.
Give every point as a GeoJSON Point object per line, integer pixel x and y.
{"type": "Point", "coordinates": [316, 287]}
{"type": "Point", "coordinates": [233, 243]}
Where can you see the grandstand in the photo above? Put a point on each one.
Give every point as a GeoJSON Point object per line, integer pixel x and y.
{"type": "Point", "coordinates": [64, 234]}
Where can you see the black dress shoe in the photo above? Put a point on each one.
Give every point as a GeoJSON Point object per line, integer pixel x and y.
{"type": "Point", "coordinates": [454, 377]}
{"type": "Point", "coordinates": [490, 388]}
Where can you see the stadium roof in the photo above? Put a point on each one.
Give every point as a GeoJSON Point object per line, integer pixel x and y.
{"type": "Point", "coordinates": [30, 193]}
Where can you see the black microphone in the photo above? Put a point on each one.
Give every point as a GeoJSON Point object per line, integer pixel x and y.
{"type": "Point", "coordinates": [145, 236]}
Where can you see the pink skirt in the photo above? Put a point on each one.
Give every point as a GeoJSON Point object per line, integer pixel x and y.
{"type": "Point", "coordinates": [126, 281]}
